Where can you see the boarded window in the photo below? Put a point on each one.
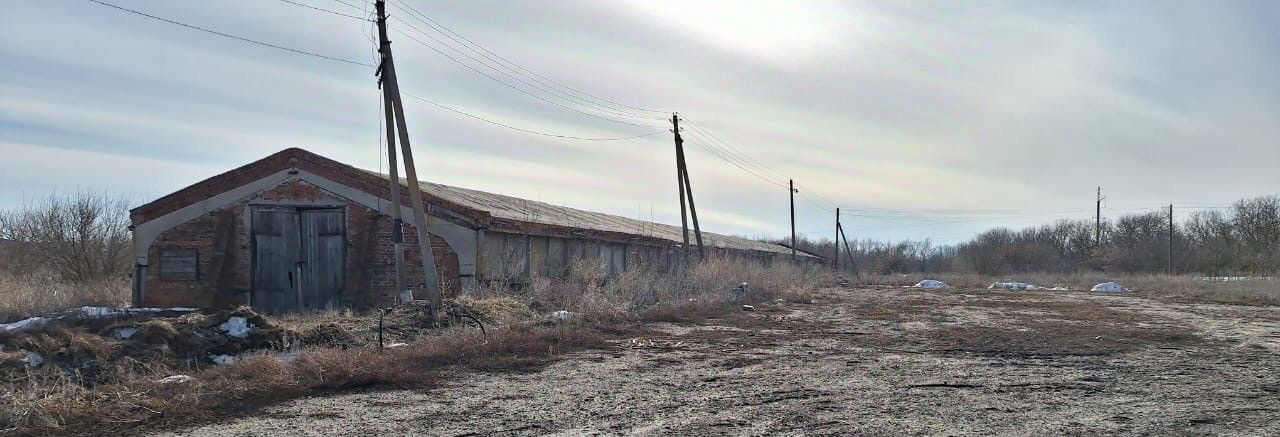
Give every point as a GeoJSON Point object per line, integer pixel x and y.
{"type": "Point", "coordinates": [179, 264]}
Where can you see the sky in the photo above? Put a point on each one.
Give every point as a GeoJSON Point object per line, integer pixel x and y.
{"type": "Point", "coordinates": [918, 119]}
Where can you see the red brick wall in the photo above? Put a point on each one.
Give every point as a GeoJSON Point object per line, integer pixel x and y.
{"type": "Point", "coordinates": [221, 241]}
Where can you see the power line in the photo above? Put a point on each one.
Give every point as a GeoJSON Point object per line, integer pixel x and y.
{"type": "Point", "coordinates": [571, 137]}
{"type": "Point", "coordinates": [324, 10]}
{"type": "Point", "coordinates": [504, 72]}
{"type": "Point", "coordinates": [490, 60]}
{"type": "Point", "coordinates": [226, 35]}
{"type": "Point", "coordinates": [519, 89]}
{"type": "Point", "coordinates": [724, 158]}
{"type": "Point", "coordinates": [474, 46]}
{"type": "Point", "coordinates": [364, 9]}
{"type": "Point", "coordinates": [716, 138]}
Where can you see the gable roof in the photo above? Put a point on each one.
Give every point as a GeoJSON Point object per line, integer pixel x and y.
{"type": "Point", "coordinates": [495, 211]}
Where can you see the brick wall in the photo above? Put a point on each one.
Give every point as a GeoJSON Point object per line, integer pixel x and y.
{"type": "Point", "coordinates": [221, 241]}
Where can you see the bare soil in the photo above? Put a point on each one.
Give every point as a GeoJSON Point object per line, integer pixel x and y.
{"type": "Point", "coordinates": [887, 361]}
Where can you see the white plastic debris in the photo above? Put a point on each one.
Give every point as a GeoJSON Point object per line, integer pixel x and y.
{"type": "Point", "coordinates": [125, 333]}
{"type": "Point", "coordinates": [396, 345]}
{"type": "Point", "coordinates": [930, 283]}
{"type": "Point", "coordinates": [562, 315]}
{"type": "Point", "coordinates": [1109, 287]}
{"type": "Point", "coordinates": [236, 326]}
{"type": "Point", "coordinates": [176, 379]}
{"type": "Point", "coordinates": [748, 308]}
{"type": "Point", "coordinates": [405, 296]}
{"type": "Point", "coordinates": [1014, 286]}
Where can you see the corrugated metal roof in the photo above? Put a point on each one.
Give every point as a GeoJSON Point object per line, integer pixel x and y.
{"type": "Point", "coordinates": [532, 211]}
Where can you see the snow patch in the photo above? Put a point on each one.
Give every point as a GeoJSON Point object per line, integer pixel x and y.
{"type": "Point", "coordinates": [396, 345]}
{"type": "Point", "coordinates": [930, 283]}
{"type": "Point", "coordinates": [236, 326]}
{"type": "Point", "coordinates": [33, 359]}
{"type": "Point", "coordinates": [222, 360]}
{"type": "Point", "coordinates": [176, 379]}
{"type": "Point", "coordinates": [1109, 287]}
{"type": "Point", "coordinates": [1014, 286]}
{"type": "Point", "coordinates": [87, 312]}
{"type": "Point", "coordinates": [25, 324]}
{"type": "Point", "coordinates": [125, 333]}
{"type": "Point", "coordinates": [1237, 278]}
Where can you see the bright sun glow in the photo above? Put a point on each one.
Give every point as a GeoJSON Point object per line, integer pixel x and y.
{"type": "Point", "coordinates": [772, 31]}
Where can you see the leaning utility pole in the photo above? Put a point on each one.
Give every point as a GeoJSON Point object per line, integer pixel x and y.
{"type": "Point", "coordinates": [686, 191]}
{"type": "Point", "coordinates": [393, 166]}
{"type": "Point", "coordinates": [391, 94]}
{"type": "Point", "coordinates": [852, 264]}
{"type": "Point", "coordinates": [1170, 239]}
{"type": "Point", "coordinates": [1097, 227]}
{"type": "Point", "coordinates": [835, 266]}
{"type": "Point", "coordinates": [791, 189]}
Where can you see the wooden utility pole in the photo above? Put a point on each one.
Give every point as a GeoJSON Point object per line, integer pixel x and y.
{"type": "Point", "coordinates": [391, 93]}
{"type": "Point", "coordinates": [393, 175]}
{"type": "Point", "coordinates": [791, 189]}
{"type": "Point", "coordinates": [835, 266]}
{"type": "Point", "coordinates": [684, 213]}
{"type": "Point", "coordinates": [848, 250]}
{"type": "Point", "coordinates": [1097, 227]}
{"type": "Point", "coordinates": [1170, 239]}
{"type": "Point", "coordinates": [686, 191]}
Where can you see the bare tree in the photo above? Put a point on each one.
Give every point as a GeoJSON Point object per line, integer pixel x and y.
{"type": "Point", "coordinates": [82, 237]}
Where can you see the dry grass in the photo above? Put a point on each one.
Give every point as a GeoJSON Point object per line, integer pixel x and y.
{"type": "Point", "coordinates": [1183, 288]}
{"type": "Point", "coordinates": [51, 401]}
{"type": "Point", "coordinates": [640, 294]}
{"type": "Point", "coordinates": [125, 395]}
{"type": "Point", "coordinates": [36, 293]}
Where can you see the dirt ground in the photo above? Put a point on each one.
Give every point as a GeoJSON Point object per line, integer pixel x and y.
{"type": "Point", "coordinates": [887, 361]}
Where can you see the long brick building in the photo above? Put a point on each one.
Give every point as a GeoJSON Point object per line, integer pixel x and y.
{"type": "Point", "coordinates": [298, 231]}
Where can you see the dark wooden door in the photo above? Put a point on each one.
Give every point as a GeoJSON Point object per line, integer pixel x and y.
{"type": "Point", "coordinates": [298, 258]}
{"type": "Point", "coordinates": [275, 256]}
{"type": "Point", "coordinates": [322, 258]}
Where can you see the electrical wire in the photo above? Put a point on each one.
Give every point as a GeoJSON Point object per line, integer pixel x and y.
{"type": "Point", "coordinates": [445, 30]}
{"type": "Point", "coordinates": [571, 137]}
{"type": "Point", "coordinates": [505, 70]}
{"type": "Point", "coordinates": [227, 35]}
{"type": "Point", "coordinates": [521, 90]}
{"type": "Point", "coordinates": [323, 10]}
{"type": "Point", "coordinates": [743, 155]}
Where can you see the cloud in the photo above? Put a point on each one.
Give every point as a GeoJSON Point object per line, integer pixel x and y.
{"type": "Point", "coordinates": [885, 104]}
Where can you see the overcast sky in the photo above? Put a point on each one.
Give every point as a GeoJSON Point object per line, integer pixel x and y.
{"type": "Point", "coordinates": [915, 113]}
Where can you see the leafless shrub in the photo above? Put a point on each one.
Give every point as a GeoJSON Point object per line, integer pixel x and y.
{"type": "Point", "coordinates": [62, 251]}
{"type": "Point", "coordinates": [82, 237]}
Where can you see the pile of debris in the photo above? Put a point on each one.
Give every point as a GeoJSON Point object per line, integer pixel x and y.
{"type": "Point", "coordinates": [88, 341]}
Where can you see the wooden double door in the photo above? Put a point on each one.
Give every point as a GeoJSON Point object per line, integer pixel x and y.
{"type": "Point", "coordinates": [299, 258]}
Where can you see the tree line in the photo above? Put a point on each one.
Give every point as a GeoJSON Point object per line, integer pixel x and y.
{"type": "Point", "coordinates": [1243, 239]}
